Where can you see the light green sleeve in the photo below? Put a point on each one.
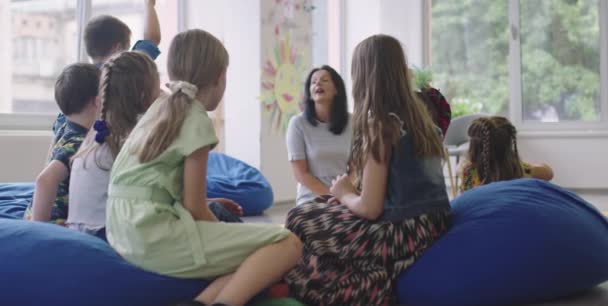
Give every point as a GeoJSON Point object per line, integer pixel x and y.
{"type": "Point", "coordinates": [197, 131]}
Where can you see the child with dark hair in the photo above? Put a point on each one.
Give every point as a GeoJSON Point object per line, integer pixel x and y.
{"type": "Point", "coordinates": [493, 155]}
{"type": "Point", "coordinates": [75, 92]}
{"type": "Point", "coordinates": [438, 107]}
{"type": "Point", "coordinates": [318, 140]}
{"type": "Point", "coordinates": [106, 35]}
{"type": "Point", "coordinates": [436, 104]}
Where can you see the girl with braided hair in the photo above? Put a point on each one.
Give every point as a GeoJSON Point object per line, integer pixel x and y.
{"type": "Point", "coordinates": [129, 84]}
{"type": "Point", "coordinates": [493, 155]}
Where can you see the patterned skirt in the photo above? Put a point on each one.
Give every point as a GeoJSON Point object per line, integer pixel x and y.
{"type": "Point", "coordinates": [349, 260]}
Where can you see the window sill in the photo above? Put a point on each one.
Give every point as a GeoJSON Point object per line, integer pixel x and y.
{"type": "Point", "coordinates": [564, 134]}
{"type": "Point", "coordinates": [27, 122]}
{"type": "Point", "coordinates": [25, 133]}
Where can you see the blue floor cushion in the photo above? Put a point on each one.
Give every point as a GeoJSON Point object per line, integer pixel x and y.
{"type": "Point", "coordinates": [227, 177]}
{"type": "Point", "coordinates": [45, 264]}
{"type": "Point", "coordinates": [14, 199]}
{"type": "Point", "coordinates": [233, 179]}
{"type": "Point", "coordinates": [511, 243]}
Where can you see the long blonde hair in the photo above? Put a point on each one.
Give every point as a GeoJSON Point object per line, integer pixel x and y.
{"type": "Point", "coordinates": [128, 82]}
{"type": "Point", "coordinates": [381, 91]}
{"type": "Point", "coordinates": [493, 149]}
{"type": "Point", "coordinates": [196, 57]}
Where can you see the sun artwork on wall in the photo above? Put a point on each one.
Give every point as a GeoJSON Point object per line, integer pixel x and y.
{"type": "Point", "coordinates": [282, 82]}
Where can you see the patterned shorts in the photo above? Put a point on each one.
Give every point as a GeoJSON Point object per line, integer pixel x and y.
{"type": "Point", "coordinates": [348, 260]}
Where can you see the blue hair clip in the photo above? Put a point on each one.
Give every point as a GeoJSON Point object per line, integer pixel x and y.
{"type": "Point", "coordinates": [102, 131]}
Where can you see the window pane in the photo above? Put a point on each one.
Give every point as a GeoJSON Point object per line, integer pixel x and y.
{"type": "Point", "coordinates": [560, 60]}
{"type": "Point", "coordinates": [39, 42]}
{"type": "Point", "coordinates": [131, 12]}
{"type": "Point", "coordinates": [469, 54]}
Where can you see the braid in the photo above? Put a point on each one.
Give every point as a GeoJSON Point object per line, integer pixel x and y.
{"type": "Point", "coordinates": [105, 87]}
{"type": "Point", "coordinates": [518, 171]}
{"type": "Point", "coordinates": [486, 128]}
{"type": "Point", "coordinates": [100, 125]}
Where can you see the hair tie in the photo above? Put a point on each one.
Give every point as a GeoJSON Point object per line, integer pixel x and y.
{"type": "Point", "coordinates": [188, 89]}
{"type": "Point", "coordinates": [101, 128]}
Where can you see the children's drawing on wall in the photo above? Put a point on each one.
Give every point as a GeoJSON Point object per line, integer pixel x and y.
{"type": "Point", "coordinates": [286, 52]}
{"type": "Point", "coordinates": [282, 83]}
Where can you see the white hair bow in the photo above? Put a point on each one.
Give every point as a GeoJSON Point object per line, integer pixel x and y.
{"type": "Point", "coordinates": [188, 89]}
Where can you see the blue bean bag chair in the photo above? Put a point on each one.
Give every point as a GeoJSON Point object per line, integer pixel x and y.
{"type": "Point", "coordinates": [45, 264]}
{"type": "Point", "coordinates": [233, 179]}
{"type": "Point", "coordinates": [511, 243]}
{"type": "Point", "coordinates": [227, 177]}
{"type": "Point", "coordinates": [14, 199]}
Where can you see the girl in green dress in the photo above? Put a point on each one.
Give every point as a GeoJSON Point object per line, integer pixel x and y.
{"type": "Point", "coordinates": [156, 218]}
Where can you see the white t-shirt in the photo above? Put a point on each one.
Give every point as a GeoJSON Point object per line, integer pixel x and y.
{"type": "Point", "coordinates": [89, 182]}
{"type": "Point", "coordinates": [326, 154]}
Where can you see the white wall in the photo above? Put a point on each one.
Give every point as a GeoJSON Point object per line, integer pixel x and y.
{"type": "Point", "coordinates": [361, 20]}
{"type": "Point", "coordinates": [403, 20]}
{"type": "Point", "coordinates": [398, 18]}
{"type": "Point", "coordinates": [207, 15]}
{"type": "Point", "coordinates": [242, 108]}
{"type": "Point", "coordinates": [579, 159]}
{"type": "Point", "coordinates": [320, 23]}
{"type": "Point", "coordinates": [248, 135]}
{"type": "Point", "coordinates": [275, 165]}
{"type": "Point", "coordinates": [23, 154]}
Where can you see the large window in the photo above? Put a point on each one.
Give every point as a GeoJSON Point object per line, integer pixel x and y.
{"type": "Point", "coordinates": [38, 39]}
{"type": "Point", "coordinates": [41, 37]}
{"type": "Point", "coordinates": [131, 12]}
{"type": "Point", "coordinates": [537, 61]}
{"type": "Point", "coordinates": [469, 49]}
{"type": "Point", "coordinates": [560, 60]}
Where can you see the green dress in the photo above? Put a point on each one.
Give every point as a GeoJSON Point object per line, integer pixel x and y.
{"type": "Point", "coordinates": [147, 223]}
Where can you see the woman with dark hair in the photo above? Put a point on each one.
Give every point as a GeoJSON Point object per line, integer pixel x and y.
{"type": "Point", "coordinates": [318, 140]}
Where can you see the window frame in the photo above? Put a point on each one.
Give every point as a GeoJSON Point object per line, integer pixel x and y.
{"type": "Point", "coordinates": [515, 77]}
{"type": "Point", "coordinates": [41, 121]}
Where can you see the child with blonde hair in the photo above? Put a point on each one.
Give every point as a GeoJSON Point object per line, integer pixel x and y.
{"type": "Point", "coordinates": [155, 218]}
{"type": "Point", "coordinates": [493, 155]}
{"type": "Point", "coordinates": [379, 224]}
{"type": "Point", "coordinates": [129, 85]}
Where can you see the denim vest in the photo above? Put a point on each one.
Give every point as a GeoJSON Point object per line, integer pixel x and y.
{"type": "Point", "coordinates": [415, 186]}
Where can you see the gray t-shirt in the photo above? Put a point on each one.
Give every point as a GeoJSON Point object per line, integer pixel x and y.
{"type": "Point", "coordinates": [325, 153]}
{"type": "Point", "coordinates": [89, 192]}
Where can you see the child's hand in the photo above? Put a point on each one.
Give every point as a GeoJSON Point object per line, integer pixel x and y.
{"type": "Point", "coordinates": [341, 186]}
{"type": "Point", "coordinates": [333, 201]}
{"type": "Point", "coordinates": [230, 205]}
